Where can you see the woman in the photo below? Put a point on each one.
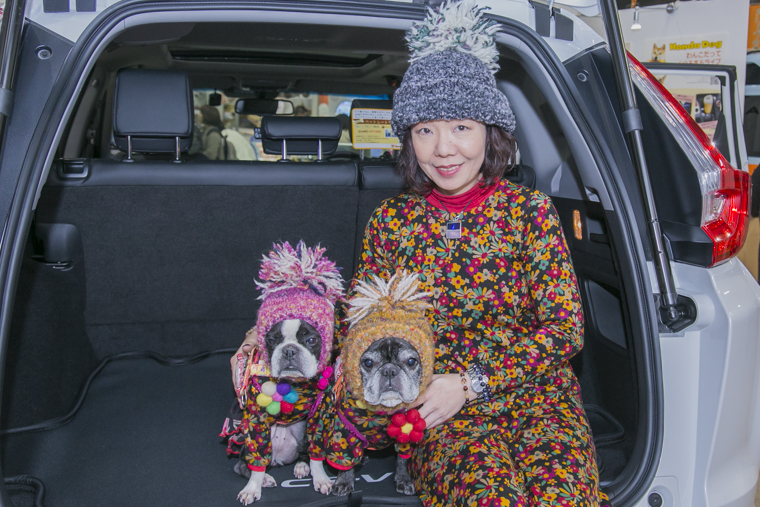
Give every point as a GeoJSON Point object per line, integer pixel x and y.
{"type": "Point", "coordinates": [504, 412]}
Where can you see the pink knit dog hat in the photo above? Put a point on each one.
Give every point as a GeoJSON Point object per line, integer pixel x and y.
{"type": "Point", "coordinates": [298, 283]}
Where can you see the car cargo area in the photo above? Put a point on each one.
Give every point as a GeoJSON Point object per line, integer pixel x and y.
{"type": "Point", "coordinates": [137, 280]}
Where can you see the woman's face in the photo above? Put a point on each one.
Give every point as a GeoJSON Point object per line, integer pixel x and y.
{"type": "Point", "coordinates": [450, 153]}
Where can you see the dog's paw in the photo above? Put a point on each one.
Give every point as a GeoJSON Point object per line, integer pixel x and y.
{"type": "Point", "coordinates": [342, 489]}
{"type": "Point", "coordinates": [323, 485]}
{"type": "Point", "coordinates": [405, 487]}
{"type": "Point", "coordinates": [249, 495]}
{"type": "Point", "coordinates": [252, 491]}
{"type": "Point", "coordinates": [268, 482]}
{"type": "Point", "coordinates": [301, 470]}
{"type": "Point", "coordinates": [344, 483]}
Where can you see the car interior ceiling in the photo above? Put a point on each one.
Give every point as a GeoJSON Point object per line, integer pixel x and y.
{"type": "Point", "coordinates": [168, 267]}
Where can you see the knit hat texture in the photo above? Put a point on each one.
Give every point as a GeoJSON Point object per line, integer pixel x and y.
{"type": "Point", "coordinates": [453, 59]}
{"type": "Point", "coordinates": [381, 309]}
{"type": "Point", "coordinates": [298, 283]}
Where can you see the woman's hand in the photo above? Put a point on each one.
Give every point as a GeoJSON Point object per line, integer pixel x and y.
{"type": "Point", "coordinates": [245, 349]}
{"type": "Point", "coordinates": [443, 398]}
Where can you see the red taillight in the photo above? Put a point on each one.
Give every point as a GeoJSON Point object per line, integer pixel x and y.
{"type": "Point", "coordinates": [725, 189]}
{"type": "Point", "coordinates": [728, 225]}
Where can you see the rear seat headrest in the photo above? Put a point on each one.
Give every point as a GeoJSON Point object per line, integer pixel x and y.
{"type": "Point", "coordinates": [153, 108]}
{"type": "Point", "coordinates": [301, 134]}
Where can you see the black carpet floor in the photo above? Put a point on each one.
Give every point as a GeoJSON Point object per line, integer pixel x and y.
{"type": "Point", "coordinates": [146, 435]}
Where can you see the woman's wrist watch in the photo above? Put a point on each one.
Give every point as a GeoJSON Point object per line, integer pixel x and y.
{"type": "Point", "coordinates": [480, 381]}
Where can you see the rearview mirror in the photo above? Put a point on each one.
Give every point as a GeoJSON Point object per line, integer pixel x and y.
{"type": "Point", "coordinates": [264, 106]}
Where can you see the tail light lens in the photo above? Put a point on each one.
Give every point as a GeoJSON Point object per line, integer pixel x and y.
{"type": "Point", "coordinates": [725, 189]}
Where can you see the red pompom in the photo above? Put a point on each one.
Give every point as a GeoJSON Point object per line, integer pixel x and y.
{"type": "Point", "coordinates": [413, 415]}
{"type": "Point", "coordinates": [402, 437]}
{"type": "Point", "coordinates": [415, 436]}
{"type": "Point", "coordinates": [394, 431]}
{"type": "Point", "coordinates": [420, 425]}
{"type": "Point", "coordinates": [286, 407]}
{"type": "Point", "coordinates": [398, 419]}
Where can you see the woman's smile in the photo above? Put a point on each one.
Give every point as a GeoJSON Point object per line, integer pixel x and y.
{"type": "Point", "coordinates": [448, 170]}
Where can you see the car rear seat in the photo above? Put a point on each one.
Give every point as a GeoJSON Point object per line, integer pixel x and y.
{"type": "Point", "coordinates": [171, 249]}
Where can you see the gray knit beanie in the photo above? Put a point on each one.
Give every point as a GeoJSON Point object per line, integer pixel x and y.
{"type": "Point", "coordinates": [453, 57]}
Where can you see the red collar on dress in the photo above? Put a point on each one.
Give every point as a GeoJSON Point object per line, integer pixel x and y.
{"type": "Point", "coordinates": [473, 198]}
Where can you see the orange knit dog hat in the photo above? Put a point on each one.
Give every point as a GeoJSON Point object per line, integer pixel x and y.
{"type": "Point", "coordinates": [381, 309]}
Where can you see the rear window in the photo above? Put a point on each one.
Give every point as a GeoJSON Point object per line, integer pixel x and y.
{"type": "Point", "coordinates": [242, 127]}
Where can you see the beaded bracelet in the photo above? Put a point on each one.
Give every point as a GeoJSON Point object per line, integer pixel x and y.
{"type": "Point", "coordinates": [478, 374]}
{"type": "Point", "coordinates": [464, 386]}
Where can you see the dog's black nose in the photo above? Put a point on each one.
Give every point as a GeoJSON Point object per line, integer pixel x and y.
{"type": "Point", "coordinates": [289, 352]}
{"type": "Point", "coordinates": [389, 371]}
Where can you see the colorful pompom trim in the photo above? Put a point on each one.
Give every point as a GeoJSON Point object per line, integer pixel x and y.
{"type": "Point", "coordinates": [276, 398]}
{"type": "Point", "coordinates": [281, 397]}
{"type": "Point", "coordinates": [407, 427]}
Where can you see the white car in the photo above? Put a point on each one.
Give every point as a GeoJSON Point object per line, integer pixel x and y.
{"type": "Point", "coordinates": [126, 265]}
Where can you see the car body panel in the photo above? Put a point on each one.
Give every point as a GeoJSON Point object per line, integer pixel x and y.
{"type": "Point", "coordinates": [711, 387]}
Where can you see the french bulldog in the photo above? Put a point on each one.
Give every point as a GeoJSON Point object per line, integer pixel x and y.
{"type": "Point", "coordinates": [391, 374]}
{"type": "Point", "coordinates": [294, 348]}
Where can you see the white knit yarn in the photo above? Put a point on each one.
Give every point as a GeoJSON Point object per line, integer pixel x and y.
{"type": "Point", "coordinates": [401, 288]}
{"type": "Point", "coordinates": [289, 268]}
{"type": "Point", "coordinates": [458, 25]}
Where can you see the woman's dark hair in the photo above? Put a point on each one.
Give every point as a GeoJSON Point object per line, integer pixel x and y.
{"type": "Point", "coordinates": [501, 148]}
{"type": "Point", "coordinates": [210, 116]}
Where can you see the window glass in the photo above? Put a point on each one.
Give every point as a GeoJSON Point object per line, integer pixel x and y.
{"type": "Point", "coordinates": [700, 95]}
{"type": "Point", "coordinates": [240, 129]}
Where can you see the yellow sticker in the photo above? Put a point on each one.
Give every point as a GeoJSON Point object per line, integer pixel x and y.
{"type": "Point", "coordinates": [371, 128]}
{"type": "Point", "coordinates": [259, 370]}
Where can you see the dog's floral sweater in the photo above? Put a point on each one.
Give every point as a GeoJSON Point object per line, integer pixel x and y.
{"type": "Point", "coordinates": [353, 428]}
{"type": "Point", "coordinates": [251, 434]}
{"type": "Point", "coordinates": [504, 295]}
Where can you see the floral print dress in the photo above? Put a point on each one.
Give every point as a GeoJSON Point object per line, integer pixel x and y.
{"type": "Point", "coordinates": [504, 295]}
